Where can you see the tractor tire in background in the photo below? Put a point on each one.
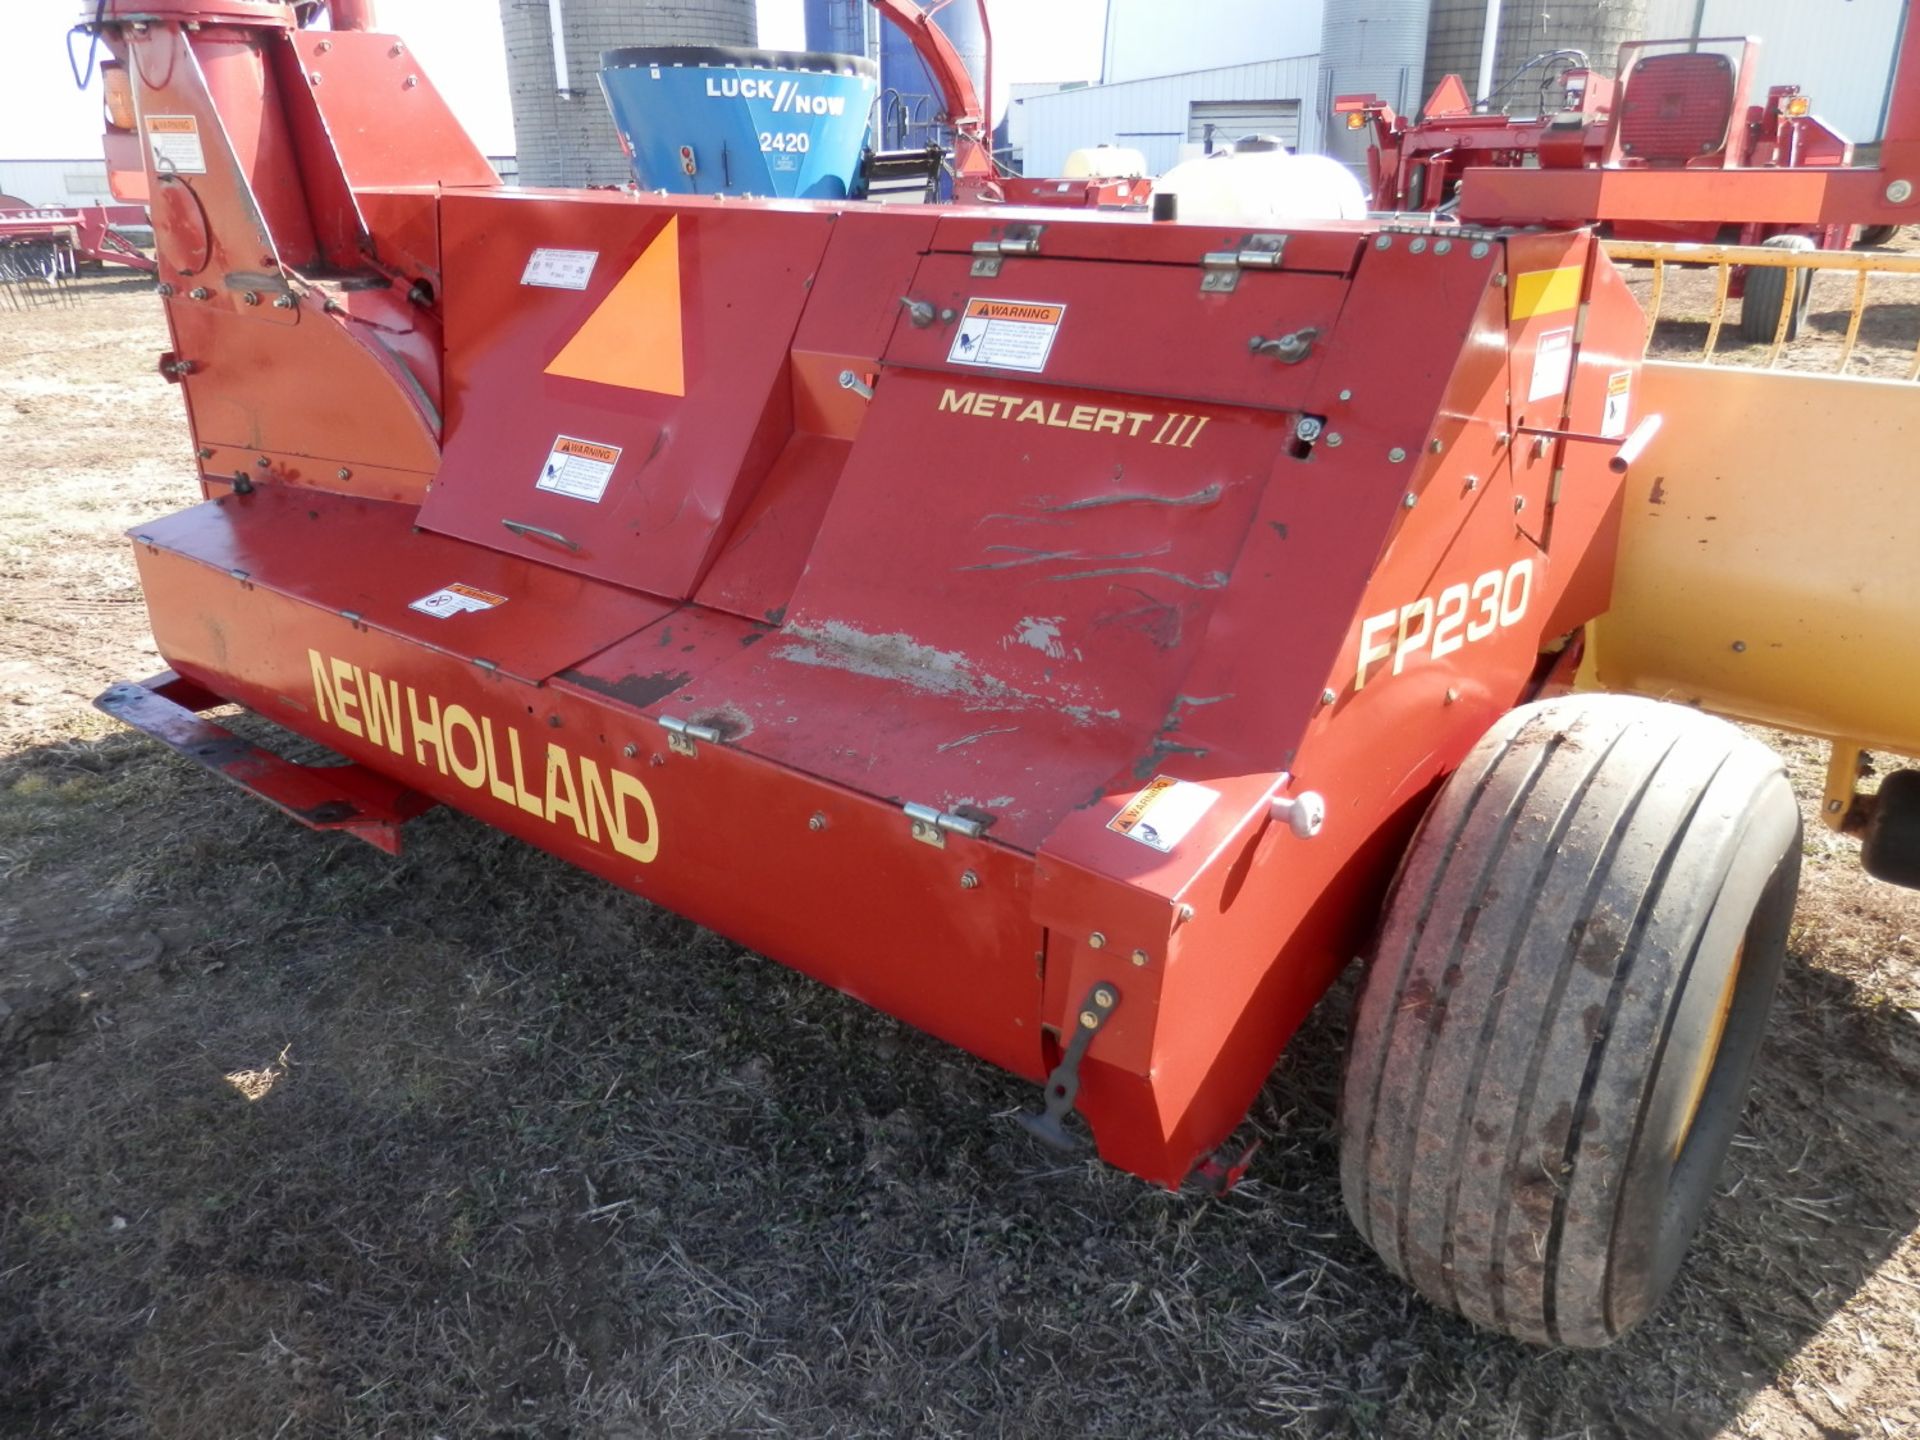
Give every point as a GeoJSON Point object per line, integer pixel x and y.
{"type": "Point", "coordinates": [1873, 235]}
{"type": "Point", "coordinates": [1553, 1041]}
{"type": "Point", "coordinates": [1771, 288]}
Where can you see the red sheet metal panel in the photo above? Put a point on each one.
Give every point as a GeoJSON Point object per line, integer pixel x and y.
{"type": "Point", "coordinates": [719, 836]}
{"type": "Point", "coordinates": [387, 121]}
{"type": "Point", "coordinates": [364, 560]}
{"type": "Point", "coordinates": [1116, 321]}
{"type": "Point", "coordinates": [711, 308]}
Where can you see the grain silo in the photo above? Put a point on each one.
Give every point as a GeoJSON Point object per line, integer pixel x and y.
{"type": "Point", "coordinates": [561, 127]}
{"type": "Point", "coordinates": [1527, 28]}
{"type": "Point", "coordinates": [1370, 47]}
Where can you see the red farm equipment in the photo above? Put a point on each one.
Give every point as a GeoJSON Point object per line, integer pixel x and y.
{"type": "Point", "coordinates": [1681, 110]}
{"type": "Point", "coordinates": [50, 242]}
{"type": "Point", "coordinates": [1076, 634]}
{"type": "Point", "coordinates": [978, 177]}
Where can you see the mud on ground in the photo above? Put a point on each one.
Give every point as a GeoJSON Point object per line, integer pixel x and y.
{"type": "Point", "coordinates": [298, 1140]}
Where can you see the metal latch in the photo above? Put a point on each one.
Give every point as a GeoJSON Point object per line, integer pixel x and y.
{"type": "Point", "coordinates": [930, 826]}
{"type": "Point", "coordinates": [1288, 349]}
{"type": "Point", "coordinates": [1220, 269]}
{"type": "Point", "coordinates": [1063, 1085]}
{"type": "Point", "coordinates": [681, 735]}
{"type": "Point", "coordinates": [1019, 240]}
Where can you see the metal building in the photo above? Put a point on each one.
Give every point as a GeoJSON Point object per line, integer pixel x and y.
{"type": "Point", "coordinates": [1173, 70]}
{"type": "Point", "coordinates": [562, 130]}
{"type": "Point", "coordinates": [56, 182]}
{"type": "Point", "coordinates": [1166, 115]}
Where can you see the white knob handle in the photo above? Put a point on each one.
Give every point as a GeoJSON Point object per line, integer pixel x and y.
{"type": "Point", "coordinates": [1304, 813]}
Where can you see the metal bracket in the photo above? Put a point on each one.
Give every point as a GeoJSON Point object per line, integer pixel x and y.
{"type": "Point", "coordinates": [1019, 240]}
{"type": "Point", "coordinates": [1220, 269]}
{"type": "Point", "coordinates": [682, 734]}
{"type": "Point", "coordinates": [1063, 1085]}
{"type": "Point", "coordinates": [930, 826]}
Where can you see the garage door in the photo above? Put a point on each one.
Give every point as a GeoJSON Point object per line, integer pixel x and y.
{"type": "Point", "coordinates": [1222, 122]}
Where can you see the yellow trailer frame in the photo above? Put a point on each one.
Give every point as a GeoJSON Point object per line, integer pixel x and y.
{"type": "Point", "coordinates": [1769, 561]}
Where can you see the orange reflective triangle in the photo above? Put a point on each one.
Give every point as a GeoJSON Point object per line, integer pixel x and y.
{"type": "Point", "coordinates": [633, 338]}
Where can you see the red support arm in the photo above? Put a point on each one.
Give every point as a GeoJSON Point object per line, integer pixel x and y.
{"type": "Point", "coordinates": [972, 126]}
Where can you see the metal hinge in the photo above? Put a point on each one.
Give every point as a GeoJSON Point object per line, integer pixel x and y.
{"type": "Point", "coordinates": [1019, 240]}
{"type": "Point", "coordinates": [1220, 269]}
{"type": "Point", "coordinates": [681, 735]}
{"type": "Point", "coordinates": [930, 826]}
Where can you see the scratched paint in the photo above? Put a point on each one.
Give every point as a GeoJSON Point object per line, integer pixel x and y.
{"type": "Point", "coordinates": [1039, 632]}
{"type": "Point", "coordinates": [898, 657]}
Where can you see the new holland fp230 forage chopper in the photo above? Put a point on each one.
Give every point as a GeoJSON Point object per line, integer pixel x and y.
{"type": "Point", "coordinates": [1074, 633]}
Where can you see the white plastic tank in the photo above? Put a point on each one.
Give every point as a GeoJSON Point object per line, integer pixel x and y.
{"type": "Point", "coordinates": [1257, 183]}
{"type": "Point", "coordinates": [1104, 162]}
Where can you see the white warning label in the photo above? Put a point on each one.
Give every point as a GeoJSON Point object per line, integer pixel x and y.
{"type": "Point", "coordinates": [1552, 365]}
{"type": "Point", "coordinates": [578, 468]}
{"type": "Point", "coordinates": [1164, 813]}
{"type": "Point", "coordinates": [1008, 334]}
{"type": "Point", "coordinates": [175, 143]}
{"type": "Point", "coordinates": [456, 600]}
{"type": "Point", "coordinates": [559, 269]}
{"type": "Point", "coordinates": [1613, 420]}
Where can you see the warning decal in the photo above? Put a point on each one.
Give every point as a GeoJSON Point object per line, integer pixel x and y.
{"type": "Point", "coordinates": [559, 269]}
{"type": "Point", "coordinates": [175, 143]}
{"type": "Point", "coordinates": [1009, 334]}
{"type": "Point", "coordinates": [1164, 813]}
{"type": "Point", "coordinates": [1613, 420]}
{"type": "Point", "coordinates": [1552, 365]}
{"type": "Point", "coordinates": [578, 468]}
{"type": "Point", "coordinates": [456, 600]}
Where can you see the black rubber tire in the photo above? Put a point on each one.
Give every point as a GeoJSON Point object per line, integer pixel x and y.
{"type": "Point", "coordinates": [1769, 287]}
{"type": "Point", "coordinates": [1890, 850]}
{"type": "Point", "coordinates": [1587, 889]}
{"type": "Point", "coordinates": [1876, 234]}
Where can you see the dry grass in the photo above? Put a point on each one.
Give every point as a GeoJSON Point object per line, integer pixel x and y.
{"type": "Point", "coordinates": [539, 1160]}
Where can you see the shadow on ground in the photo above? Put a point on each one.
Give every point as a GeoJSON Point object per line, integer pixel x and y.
{"type": "Point", "coordinates": [296, 1139]}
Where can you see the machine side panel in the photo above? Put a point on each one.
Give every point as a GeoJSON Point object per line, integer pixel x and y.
{"type": "Point", "coordinates": [719, 836]}
{"type": "Point", "coordinates": [1766, 561]}
{"type": "Point", "coordinates": [1134, 329]}
{"type": "Point", "coordinates": [364, 561]}
{"type": "Point", "coordinates": [618, 419]}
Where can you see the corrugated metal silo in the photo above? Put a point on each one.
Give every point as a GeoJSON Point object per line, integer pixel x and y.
{"type": "Point", "coordinates": [843, 27]}
{"type": "Point", "coordinates": [1370, 47]}
{"type": "Point", "coordinates": [1527, 28]}
{"type": "Point", "coordinates": [561, 127]}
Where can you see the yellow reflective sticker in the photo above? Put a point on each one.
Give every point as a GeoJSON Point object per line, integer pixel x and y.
{"type": "Point", "coordinates": [1546, 292]}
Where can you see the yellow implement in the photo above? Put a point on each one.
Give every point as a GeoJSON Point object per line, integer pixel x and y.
{"type": "Point", "coordinates": [1803, 264]}
{"type": "Point", "coordinates": [1767, 567]}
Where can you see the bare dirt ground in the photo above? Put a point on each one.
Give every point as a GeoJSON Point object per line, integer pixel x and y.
{"type": "Point", "coordinates": [1886, 347]}
{"type": "Point", "coordinates": [297, 1140]}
